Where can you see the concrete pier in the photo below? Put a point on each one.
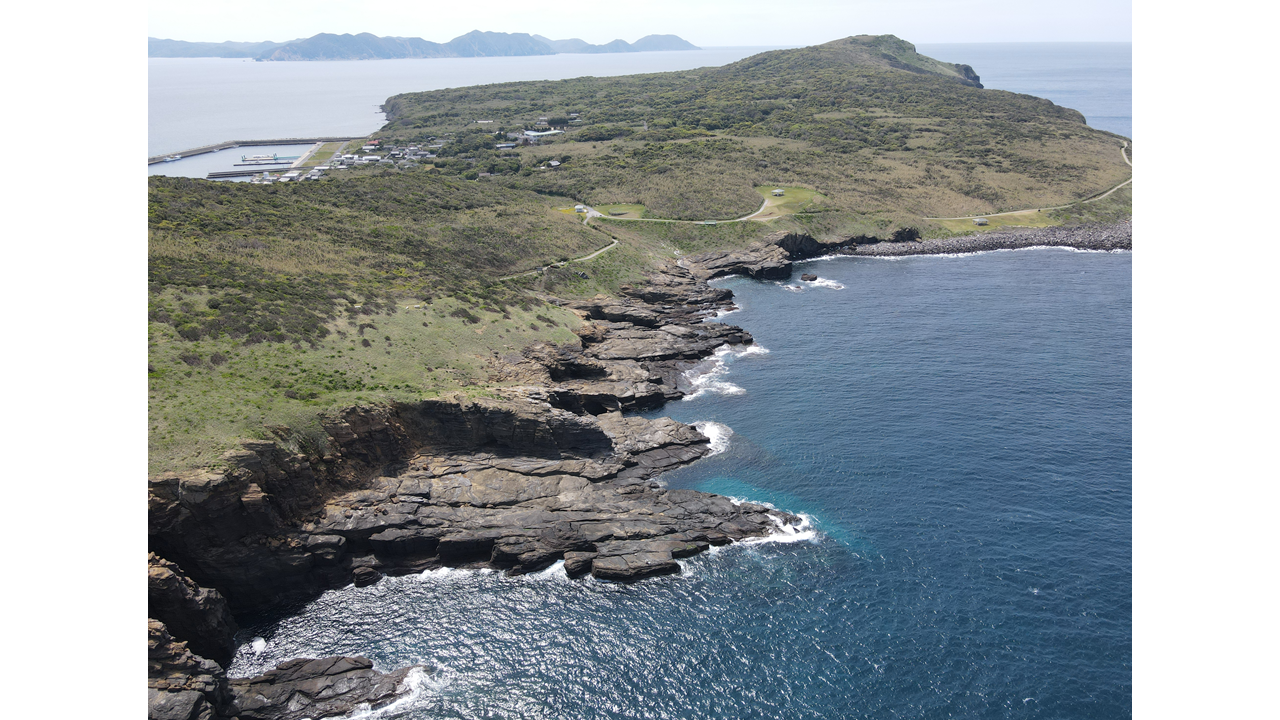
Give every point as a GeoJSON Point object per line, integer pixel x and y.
{"type": "Point", "coordinates": [247, 143]}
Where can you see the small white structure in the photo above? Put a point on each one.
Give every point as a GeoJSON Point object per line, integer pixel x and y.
{"type": "Point", "coordinates": [979, 221]}
{"type": "Point", "coordinates": [779, 192]}
{"type": "Point", "coordinates": [554, 163]}
{"type": "Point", "coordinates": [580, 208]}
{"type": "Point", "coordinates": [371, 158]}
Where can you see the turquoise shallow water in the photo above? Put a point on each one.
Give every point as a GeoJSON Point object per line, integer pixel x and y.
{"type": "Point", "coordinates": [957, 428]}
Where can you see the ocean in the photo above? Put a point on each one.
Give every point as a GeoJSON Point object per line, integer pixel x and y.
{"type": "Point", "coordinates": [957, 431]}
{"type": "Point", "coordinates": [1095, 78]}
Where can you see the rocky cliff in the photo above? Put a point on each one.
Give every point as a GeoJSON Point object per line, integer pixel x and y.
{"type": "Point", "coordinates": [548, 468]}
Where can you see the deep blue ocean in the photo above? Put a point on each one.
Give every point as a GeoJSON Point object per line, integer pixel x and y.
{"type": "Point", "coordinates": [957, 428]}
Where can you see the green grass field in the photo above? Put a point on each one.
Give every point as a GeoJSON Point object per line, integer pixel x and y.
{"type": "Point", "coordinates": [793, 200]}
{"type": "Point", "coordinates": [1029, 218]}
{"type": "Point", "coordinates": [622, 210]}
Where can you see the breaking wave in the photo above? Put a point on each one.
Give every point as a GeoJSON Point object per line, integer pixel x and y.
{"type": "Point", "coordinates": [707, 376]}
{"type": "Point", "coordinates": [717, 432]}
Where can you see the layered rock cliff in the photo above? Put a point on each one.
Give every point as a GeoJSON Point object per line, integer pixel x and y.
{"type": "Point", "coordinates": [548, 468]}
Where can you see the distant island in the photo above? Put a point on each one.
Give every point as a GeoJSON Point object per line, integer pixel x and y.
{"type": "Point", "coordinates": [366, 46]}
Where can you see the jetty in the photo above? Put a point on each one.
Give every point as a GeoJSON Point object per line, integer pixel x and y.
{"type": "Point", "coordinates": [248, 143]}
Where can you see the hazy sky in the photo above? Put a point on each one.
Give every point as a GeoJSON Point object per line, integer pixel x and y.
{"type": "Point", "coordinates": [704, 23]}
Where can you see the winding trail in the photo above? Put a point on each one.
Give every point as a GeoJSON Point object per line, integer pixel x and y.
{"type": "Point", "coordinates": [1123, 144]}
{"type": "Point", "coordinates": [535, 271]}
{"type": "Point", "coordinates": [592, 212]}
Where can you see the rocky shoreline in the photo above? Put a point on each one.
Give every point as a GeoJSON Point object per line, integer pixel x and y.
{"type": "Point", "coordinates": [546, 468]}
{"type": "Point", "coordinates": [1085, 237]}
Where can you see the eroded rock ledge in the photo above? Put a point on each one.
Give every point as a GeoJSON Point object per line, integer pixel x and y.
{"type": "Point", "coordinates": [548, 469]}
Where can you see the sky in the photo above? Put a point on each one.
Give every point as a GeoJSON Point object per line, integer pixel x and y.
{"type": "Point", "coordinates": [706, 23]}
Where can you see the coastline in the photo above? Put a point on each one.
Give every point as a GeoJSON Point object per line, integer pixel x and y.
{"type": "Point", "coordinates": [550, 470]}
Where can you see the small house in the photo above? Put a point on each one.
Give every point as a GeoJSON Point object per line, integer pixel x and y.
{"type": "Point", "coordinates": [979, 221]}
{"type": "Point", "coordinates": [554, 163]}
{"type": "Point", "coordinates": [579, 208]}
{"type": "Point", "coordinates": [779, 192]}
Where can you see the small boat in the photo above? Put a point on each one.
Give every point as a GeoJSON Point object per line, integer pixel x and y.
{"type": "Point", "coordinates": [171, 158]}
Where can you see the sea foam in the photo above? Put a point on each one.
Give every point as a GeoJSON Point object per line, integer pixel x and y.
{"type": "Point", "coordinates": [706, 376]}
{"type": "Point", "coordinates": [802, 531]}
{"type": "Point", "coordinates": [718, 433]}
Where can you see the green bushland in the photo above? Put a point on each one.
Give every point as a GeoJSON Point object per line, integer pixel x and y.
{"type": "Point", "coordinates": [271, 304]}
{"type": "Point", "coordinates": [241, 275]}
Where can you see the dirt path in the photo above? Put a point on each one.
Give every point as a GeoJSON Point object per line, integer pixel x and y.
{"type": "Point", "coordinates": [1123, 145]}
{"type": "Point", "coordinates": [610, 246]}
{"type": "Point", "coordinates": [592, 212]}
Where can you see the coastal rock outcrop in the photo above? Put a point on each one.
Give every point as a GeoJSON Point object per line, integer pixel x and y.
{"type": "Point", "coordinates": [517, 482]}
{"type": "Point", "coordinates": [326, 687]}
{"type": "Point", "coordinates": [548, 470]}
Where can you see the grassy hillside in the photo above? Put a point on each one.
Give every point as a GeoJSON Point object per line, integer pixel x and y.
{"type": "Point", "coordinates": [866, 121]}
{"type": "Point", "coordinates": [272, 303]}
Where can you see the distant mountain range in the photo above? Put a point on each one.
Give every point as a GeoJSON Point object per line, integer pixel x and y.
{"type": "Point", "coordinates": [365, 46]}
